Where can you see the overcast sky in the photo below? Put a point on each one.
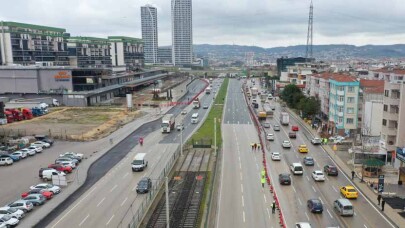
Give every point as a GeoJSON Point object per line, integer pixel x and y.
{"type": "Point", "coordinates": [265, 23]}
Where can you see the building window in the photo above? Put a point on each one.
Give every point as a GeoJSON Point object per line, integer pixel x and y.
{"type": "Point", "coordinates": [349, 121]}
{"type": "Point", "coordinates": [385, 108]}
{"type": "Point", "coordinates": [386, 93]}
{"type": "Point", "coordinates": [350, 100]}
{"type": "Point", "coordinates": [359, 119]}
{"type": "Point", "coordinates": [340, 88]}
{"type": "Point", "coordinates": [350, 89]}
{"type": "Point", "coordinates": [340, 120]}
{"type": "Point", "coordinates": [340, 109]}
{"type": "Point", "coordinates": [350, 110]}
{"type": "Point", "coordinates": [341, 98]}
{"type": "Point", "coordinates": [384, 122]}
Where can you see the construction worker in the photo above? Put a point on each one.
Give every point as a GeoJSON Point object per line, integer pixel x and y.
{"type": "Point", "coordinates": [253, 146]}
{"type": "Point", "coordinates": [258, 146]}
{"type": "Point", "coordinates": [263, 173]}
{"type": "Point", "coordinates": [263, 180]}
{"type": "Point", "coordinates": [273, 207]}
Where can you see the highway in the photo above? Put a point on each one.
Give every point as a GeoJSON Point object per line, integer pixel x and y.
{"type": "Point", "coordinates": [242, 200]}
{"type": "Point", "coordinates": [108, 200]}
{"type": "Point", "coordinates": [294, 198]}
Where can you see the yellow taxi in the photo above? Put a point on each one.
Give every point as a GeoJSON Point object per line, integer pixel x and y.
{"type": "Point", "coordinates": [303, 149]}
{"type": "Point", "coordinates": [349, 192]}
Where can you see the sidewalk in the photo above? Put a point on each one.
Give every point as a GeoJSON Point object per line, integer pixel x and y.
{"type": "Point", "coordinates": [341, 159]}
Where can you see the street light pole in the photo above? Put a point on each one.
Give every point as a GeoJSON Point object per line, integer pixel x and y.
{"type": "Point", "coordinates": [181, 138]}
{"type": "Point", "coordinates": [167, 202]}
{"type": "Point", "coordinates": [215, 135]}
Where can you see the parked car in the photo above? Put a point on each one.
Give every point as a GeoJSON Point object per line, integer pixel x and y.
{"type": "Point", "coordinates": [20, 154]}
{"type": "Point", "coordinates": [41, 170]}
{"type": "Point", "coordinates": [294, 128]}
{"type": "Point", "coordinates": [23, 205]}
{"type": "Point", "coordinates": [144, 185]}
{"type": "Point", "coordinates": [69, 164]}
{"type": "Point", "coordinates": [62, 168]}
{"type": "Point", "coordinates": [13, 212]}
{"type": "Point", "coordinates": [336, 139]}
{"type": "Point", "coordinates": [35, 199]}
{"type": "Point", "coordinates": [284, 178]}
{"type": "Point", "coordinates": [6, 161]}
{"type": "Point", "coordinates": [292, 135]}
{"type": "Point", "coordinates": [29, 151]}
{"type": "Point", "coordinates": [286, 144]}
{"type": "Point", "coordinates": [349, 192]}
{"type": "Point", "coordinates": [275, 156]}
{"type": "Point", "coordinates": [276, 127]}
{"type": "Point", "coordinates": [330, 170]}
{"type": "Point", "coordinates": [44, 138]}
{"type": "Point", "coordinates": [9, 220]}
{"type": "Point", "coordinates": [316, 141]}
{"type": "Point", "coordinates": [315, 205]}
{"type": "Point", "coordinates": [317, 175]}
{"type": "Point", "coordinates": [77, 155]}
{"type": "Point", "coordinates": [270, 137]}
{"type": "Point", "coordinates": [64, 159]}
{"type": "Point", "coordinates": [37, 149]}
{"type": "Point", "coordinates": [309, 161]}
{"type": "Point", "coordinates": [13, 157]}
{"type": "Point", "coordinates": [47, 194]}
{"type": "Point", "coordinates": [41, 144]}
{"type": "Point", "coordinates": [49, 187]}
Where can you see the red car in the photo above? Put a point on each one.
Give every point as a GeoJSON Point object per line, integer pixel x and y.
{"type": "Point", "coordinates": [294, 128]}
{"type": "Point", "coordinates": [62, 168]}
{"type": "Point", "coordinates": [48, 195]}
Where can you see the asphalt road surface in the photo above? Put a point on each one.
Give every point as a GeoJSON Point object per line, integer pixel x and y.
{"type": "Point", "coordinates": [111, 158]}
{"type": "Point", "coordinates": [107, 201]}
{"type": "Point", "coordinates": [242, 200]}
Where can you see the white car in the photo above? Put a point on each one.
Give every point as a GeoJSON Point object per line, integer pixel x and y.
{"type": "Point", "coordinates": [9, 220]}
{"type": "Point", "coordinates": [73, 153]}
{"type": "Point", "coordinates": [184, 112]}
{"type": "Point", "coordinates": [180, 126]}
{"type": "Point", "coordinates": [286, 144]}
{"type": "Point", "coordinates": [13, 212]}
{"type": "Point", "coordinates": [318, 175]}
{"type": "Point", "coordinates": [266, 125]}
{"type": "Point", "coordinates": [29, 151]}
{"type": "Point", "coordinates": [275, 156]}
{"type": "Point", "coordinates": [20, 154]}
{"type": "Point", "coordinates": [270, 137]}
{"type": "Point", "coordinates": [42, 144]}
{"type": "Point", "coordinates": [49, 187]}
{"type": "Point", "coordinates": [68, 163]}
{"type": "Point", "coordinates": [37, 149]}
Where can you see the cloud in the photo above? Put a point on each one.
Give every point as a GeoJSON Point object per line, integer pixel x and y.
{"type": "Point", "coordinates": [263, 23]}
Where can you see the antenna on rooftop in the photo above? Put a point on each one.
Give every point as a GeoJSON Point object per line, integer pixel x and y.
{"type": "Point", "coordinates": [308, 53]}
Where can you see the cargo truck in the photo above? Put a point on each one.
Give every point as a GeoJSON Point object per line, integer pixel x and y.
{"type": "Point", "coordinates": [208, 90]}
{"type": "Point", "coordinates": [284, 118]}
{"type": "Point", "coordinates": [196, 103]}
{"type": "Point", "coordinates": [255, 91]}
{"type": "Point", "coordinates": [17, 115]}
{"type": "Point", "coordinates": [168, 123]}
{"type": "Point", "coordinates": [9, 116]}
{"type": "Point", "coordinates": [262, 115]}
{"type": "Point", "coordinates": [47, 100]}
{"type": "Point", "coordinates": [27, 113]}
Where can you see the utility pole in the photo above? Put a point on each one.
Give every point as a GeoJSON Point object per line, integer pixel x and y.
{"type": "Point", "coordinates": [167, 202]}
{"type": "Point", "coordinates": [181, 138]}
{"type": "Point", "coordinates": [308, 53]}
{"type": "Point", "coordinates": [215, 135]}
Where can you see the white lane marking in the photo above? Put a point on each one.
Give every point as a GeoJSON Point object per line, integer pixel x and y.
{"type": "Point", "coordinates": [307, 178]}
{"type": "Point", "coordinates": [257, 166]}
{"type": "Point", "coordinates": [81, 223]}
{"type": "Point", "coordinates": [115, 186]}
{"type": "Point", "coordinates": [241, 176]}
{"type": "Point", "coordinates": [125, 200]}
{"type": "Point", "coordinates": [241, 188]}
{"type": "Point", "coordinates": [313, 188]}
{"type": "Point", "coordinates": [355, 214]}
{"type": "Point", "coordinates": [134, 188]}
{"type": "Point", "coordinates": [109, 220]}
{"type": "Point", "coordinates": [74, 207]}
{"type": "Point", "coordinates": [244, 219]}
{"type": "Point", "coordinates": [307, 216]}
{"type": "Point", "coordinates": [268, 212]}
{"type": "Point", "coordinates": [101, 201]}
{"type": "Point", "coordinates": [265, 199]}
{"type": "Point", "coordinates": [220, 188]}
{"type": "Point", "coordinates": [321, 200]}
{"type": "Point", "coordinates": [125, 175]}
{"type": "Point", "coordinates": [326, 177]}
{"type": "Point", "coordinates": [329, 213]}
{"type": "Point", "coordinates": [299, 201]}
{"type": "Point", "coordinates": [239, 158]}
{"type": "Point", "coordinates": [294, 189]}
{"type": "Point", "coordinates": [365, 226]}
{"type": "Point", "coordinates": [334, 188]}
{"type": "Point", "coordinates": [243, 202]}
{"type": "Point", "coordinates": [240, 165]}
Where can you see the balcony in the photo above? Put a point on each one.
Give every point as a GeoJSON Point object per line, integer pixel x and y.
{"type": "Point", "coordinates": [340, 114]}
{"type": "Point", "coordinates": [391, 101]}
{"type": "Point", "coordinates": [340, 92]}
{"type": "Point", "coordinates": [390, 115]}
{"type": "Point", "coordinates": [388, 130]}
{"type": "Point", "coordinates": [340, 103]}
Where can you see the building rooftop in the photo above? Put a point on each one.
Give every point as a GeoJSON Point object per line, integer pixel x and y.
{"type": "Point", "coordinates": [372, 86]}
{"type": "Point", "coordinates": [31, 26]}
{"type": "Point", "coordinates": [390, 70]}
{"type": "Point", "coordinates": [88, 40]}
{"type": "Point", "coordinates": [343, 78]}
{"type": "Point", "coordinates": [125, 39]}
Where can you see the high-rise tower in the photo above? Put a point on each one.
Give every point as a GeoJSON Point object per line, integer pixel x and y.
{"type": "Point", "coordinates": [149, 33]}
{"type": "Point", "coordinates": [308, 53]}
{"type": "Point", "coordinates": [182, 32]}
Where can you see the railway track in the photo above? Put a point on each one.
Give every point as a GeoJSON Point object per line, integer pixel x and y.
{"type": "Point", "coordinates": [185, 193]}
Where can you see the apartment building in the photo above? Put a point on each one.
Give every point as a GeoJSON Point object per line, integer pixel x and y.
{"type": "Point", "coordinates": [318, 86]}
{"type": "Point", "coordinates": [182, 33]}
{"type": "Point", "coordinates": [150, 33]}
{"type": "Point", "coordinates": [370, 110]}
{"type": "Point", "coordinates": [28, 44]}
{"type": "Point", "coordinates": [343, 105]}
{"type": "Point", "coordinates": [89, 52]}
{"type": "Point", "coordinates": [165, 55]}
{"type": "Point", "coordinates": [127, 52]}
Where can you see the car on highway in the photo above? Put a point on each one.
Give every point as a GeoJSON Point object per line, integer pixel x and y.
{"type": "Point", "coordinates": [47, 194]}
{"type": "Point", "coordinates": [184, 112]}
{"type": "Point", "coordinates": [6, 161]}
{"type": "Point", "coordinates": [29, 151]}
{"type": "Point", "coordinates": [270, 136]}
{"type": "Point", "coordinates": [20, 154]}
{"type": "Point", "coordinates": [318, 175]}
{"type": "Point", "coordinates": [276, 127]}
{"type": "Point", "coordinates": [61, 167]}
{"type": "Point", "coordinates": [292, 135]}
{"type": "Point", "coordinates": [294, 128]}
{"type": "Point", "coordinates": [275, 156]}
{"type": "Point", "coordinates": [303, 225]}
{"type": "Point", "coordinates": [9, 220]}
{"type": "Point", "coordinates": [308, 161]}
{"type": "Point", "coordinates": [330, 170]}
{"type": "Point", "coordinates": [180, 126]}
{"type": "Point", "coordinates": [48, 187]}
{"type": "Point", "coordinates": [23, 205]}
{"type": "Point", "coordinates": [205, 106]}
{"type": "Point", "coordinates": [296, 168]}
{"type": "Point", "coordinates": [37, 149]}
{"type": "Point", "coordinates": [144, 185]}
{"type": "Point", "coordinates": [284, 178]}
{"type": "Point", "coordinates": [13, 212]}
{"type": "Point", "coordinates": [266, 125]}
{"type": "Point", "coordinates": [78, 156]}
{"type": "Point", "coordinates": [316, 141]}
{"type": "Point", "coordinates": [35, 199]}
{"type": "Point", "coordinates": [344, 207]}
{"type": "Point", "coordinates": [41, 144]}
{"type": "Point", "coordinates": [303, 148]}
{"type": "Point", "coordinates": [315, 205]}
{"type": "Point", "coordinates": [286, 144]}
{"type": "Point", "coordinates": [349, 192]}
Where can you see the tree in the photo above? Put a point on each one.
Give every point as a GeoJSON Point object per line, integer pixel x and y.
{"type": "Point", "coordinates": [292, 95]}
{"type": "Point", "coordinates": [309, 106]}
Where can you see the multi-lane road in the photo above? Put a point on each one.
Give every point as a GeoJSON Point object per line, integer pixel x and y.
{"type": "Point", "coordinates": [108, 201]}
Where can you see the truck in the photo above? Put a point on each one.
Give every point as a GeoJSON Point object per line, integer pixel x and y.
{"type": "Point", "coordinates": [208, 90]}
{"type": "Point", "coordinates": [284, 118]}
{"type": "Point", "coordinates": [27, 113]}
{"type": "Point", "coordinates": [9, 116]}
{"type": "Point", "coordinates": [168, 123]}
{"type": "Point", "coordinates": [196, 103]}
{"type": "Point", "coordinates": [255, 91]}
{"type": "Point", "coordinates": [37, 111]}
{"type": "Point", "coordinates": [47, 100]}
{"type": "Point", "coordinates": [29, 105]}
{"type": "Point", "coordinates": [17, 115]}
{"type": "Point", "coordinates": [262, 115]}
{"type": "Point", "coordinates": [268, 111]}
{"type": "Point", "coordinates": [139, 163]}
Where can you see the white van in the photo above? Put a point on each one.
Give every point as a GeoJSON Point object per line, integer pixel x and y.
{"type": "Point", "coordinates": [296, 168]}
{"type": "Point", "coordinates": [344, 207]}
{"type": "Point", "coordinates": [48, 173]}
{"type": "Point", "coordinates": [139, 163]}
{"type": "Point", "coordinates": [194, 118]}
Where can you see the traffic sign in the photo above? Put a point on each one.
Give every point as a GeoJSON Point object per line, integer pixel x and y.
{"type": "Point", "coordinates": [177, 178]}
{"type": "Point", "coordinates": [380, 183]}
{"type": "Point", "coordinates": [199, 177]}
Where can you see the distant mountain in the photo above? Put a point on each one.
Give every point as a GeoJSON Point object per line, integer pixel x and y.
{"type": "Point", "coordinates": [333, 51]}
